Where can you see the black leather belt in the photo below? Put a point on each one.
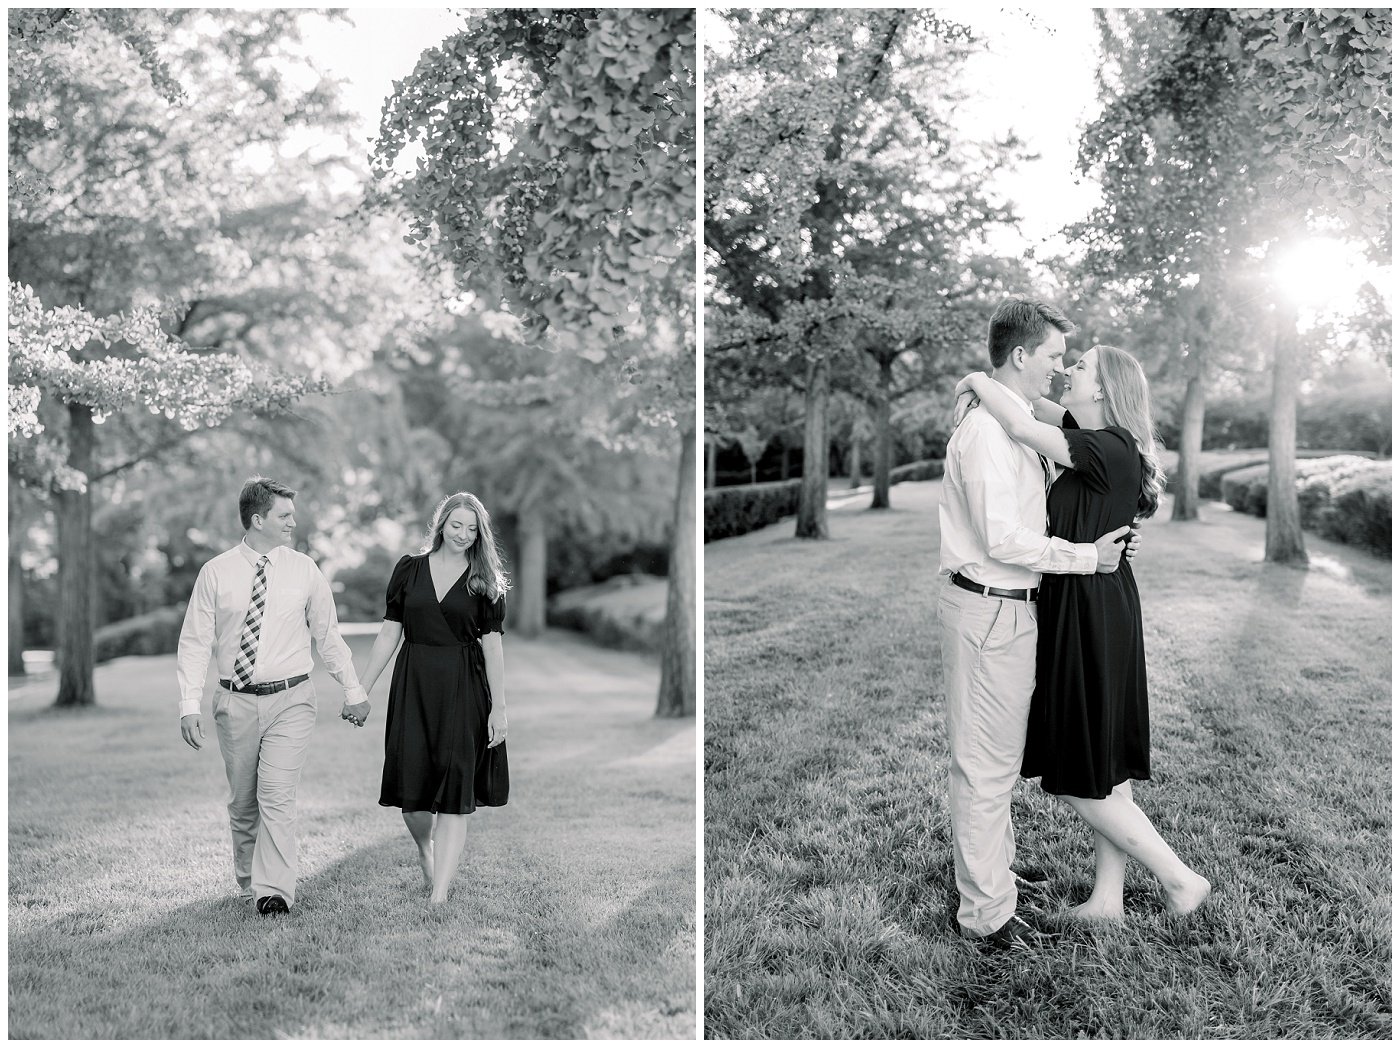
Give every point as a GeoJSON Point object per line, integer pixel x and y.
{"type": "Point", "coordinates": [991, 591]}
{"type": "Point", "coordinates": [268, 687]}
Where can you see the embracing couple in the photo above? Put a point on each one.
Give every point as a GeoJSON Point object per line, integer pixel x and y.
{"type": "Point", "coordinates": [257, 607]}
{"type": "Point", "coordinates": [1040, 622]}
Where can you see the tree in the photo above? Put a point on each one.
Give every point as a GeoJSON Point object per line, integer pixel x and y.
{"type": "Point", "coordinates": [1238, 131]}
{"type": "Point", "coordinates": [840, 209]}
{"type": "Point", "coordinates": [546, 438]}
{"type": "Point", "coordinates": [558, 182]}
{"type": "Point", "coordinates": [127, 145]}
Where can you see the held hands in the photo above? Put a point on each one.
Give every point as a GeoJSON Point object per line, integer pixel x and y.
{"type": "Point", "coordinates": [192, 730]}
{"type": "Point", "coordinates": [356, 714]}
{"type": "Point", "coordinates": [496, 727]}
{"type": "Point", "coordinates": [1110, 549]}
{"type": "Point", "coordinates": [1134, 541]}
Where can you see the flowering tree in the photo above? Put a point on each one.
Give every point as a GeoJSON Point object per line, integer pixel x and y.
{"type": "Point", "coordinates": [557, 181]}
{"type": "Point", "coordinates": [127, 149]}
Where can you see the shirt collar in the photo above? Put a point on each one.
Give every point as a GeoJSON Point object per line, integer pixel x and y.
{"type": "Point", "coordinates": [251, 555]}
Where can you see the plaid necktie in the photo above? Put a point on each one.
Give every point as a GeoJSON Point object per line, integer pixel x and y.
{"type": "Point", "coordinates": [1048, 472]}
{"type": "Point", "coordinates": [248, 643]}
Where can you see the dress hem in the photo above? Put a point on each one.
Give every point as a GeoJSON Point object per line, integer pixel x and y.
{"type": "Point", "coordinates": [1096, 797]}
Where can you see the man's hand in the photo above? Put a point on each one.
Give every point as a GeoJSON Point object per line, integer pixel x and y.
{"type": "Point", "coordinates": [1134, 541]}
{"type": "Point", "coordinates": [356, 714]}
{"type": "Point", "coordinates": [1110, 549]}
{"type": "Point", "coordinates": [192, 730]}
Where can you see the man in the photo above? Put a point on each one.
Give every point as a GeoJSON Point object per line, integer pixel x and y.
{"type": "Point", "coordinates": [993, 521]}
{"type": "Point", "coordinates": [258, 606]}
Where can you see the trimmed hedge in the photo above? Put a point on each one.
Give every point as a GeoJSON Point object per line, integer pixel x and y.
{"type": "Point", "coordinates": [1359, 513]}
{"type": "Point", "coordinates": [627, 612]}
{"type": "Point", "coordinates": [743, 508]}
{"type": "Point", "coordinates": [1343, 497]}
{"type": "Point", "coordinates": [154, 633]}
{"type": "Point", "coordinates": [1209, 477]}
{"type": "Point", "coordinates": [748, 507]}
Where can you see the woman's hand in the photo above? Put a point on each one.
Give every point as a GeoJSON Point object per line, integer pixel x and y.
{"type": "Point", "coordinates": [496, 726]}
{"type": "Point", "coordinates": [967, 400]}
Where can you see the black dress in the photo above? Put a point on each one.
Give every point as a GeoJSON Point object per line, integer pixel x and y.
{"type": "Point", "coordinates": [435, 754]}
{"type": "Point", "coordinates": [1088, 727]}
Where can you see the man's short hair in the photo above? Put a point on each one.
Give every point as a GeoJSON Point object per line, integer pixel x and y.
{"type": "Point", "coordinates": [257, 497]}
{"type": "Point", "coordinates": [1024, 322]}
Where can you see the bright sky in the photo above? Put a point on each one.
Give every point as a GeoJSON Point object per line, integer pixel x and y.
{"type": "Point", "coordinates": [381, 46]}
{"type": "Point", "coordinates": [1035, 76]}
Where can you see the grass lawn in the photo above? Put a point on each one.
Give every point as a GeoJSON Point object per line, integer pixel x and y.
{"type": "Point", "coordinates": [572, 915]}
{"type": "Point", "coordinates": [830, 906]}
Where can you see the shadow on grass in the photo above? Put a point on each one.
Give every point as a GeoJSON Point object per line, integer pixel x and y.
{"type": "Point", "coordinates": [513, 954]}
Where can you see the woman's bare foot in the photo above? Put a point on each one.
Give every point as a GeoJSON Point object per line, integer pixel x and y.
{"type": "Point", "coordinates": [1094, 910]}
{"type": "Point", "coordinates": [434, 902]}
{"type": "Point", "coordinates": [425, 861]}
{"type": "Point", "coordinates": [1184, 898]}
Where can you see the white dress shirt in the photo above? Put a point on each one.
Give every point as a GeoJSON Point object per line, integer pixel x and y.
{"type": "Point", "coordinates": [299, 608]}
{"type": "Point", "coordinates": [992, 514]}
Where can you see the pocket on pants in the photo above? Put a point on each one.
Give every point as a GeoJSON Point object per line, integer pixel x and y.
{"type": "Point", "coordinates": [998, 607]}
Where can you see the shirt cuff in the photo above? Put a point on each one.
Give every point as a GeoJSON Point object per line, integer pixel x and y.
{"type": "Point", "coordinates": [356, 695]}
{"type": "Point", "coordinates": [189, 707]}
{"type": "Point", "coordinates": [1087, 557]}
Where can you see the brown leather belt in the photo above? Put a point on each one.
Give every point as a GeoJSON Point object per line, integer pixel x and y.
{"type": "Point", "coordinates": [991, 591]}
{"type": "Point", "coordinates": [270, 687]}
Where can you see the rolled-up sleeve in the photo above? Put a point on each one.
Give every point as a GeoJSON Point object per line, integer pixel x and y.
{"type": "Point", "coordinates": [196, 642]}
{"type": "Point", "coordinates": [325, 631]}
{"type": "Point", "coordinates": [990, 482]}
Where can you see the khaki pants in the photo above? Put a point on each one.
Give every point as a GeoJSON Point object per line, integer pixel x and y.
{"type": "Point", "coordinates": [263, 739]}
{"type": "Point", "coordinates": [988, 674]}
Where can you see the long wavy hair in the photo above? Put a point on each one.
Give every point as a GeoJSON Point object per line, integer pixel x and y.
{"type": "Point", "coordinates": [484, 571]}
{"type": "Point", "coordinates": [1127, 403]}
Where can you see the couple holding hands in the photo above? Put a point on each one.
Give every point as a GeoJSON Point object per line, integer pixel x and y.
{"type": "Point", "coordinates": [256, 609]}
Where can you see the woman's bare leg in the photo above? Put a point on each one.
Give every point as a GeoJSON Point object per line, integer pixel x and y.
{"type": "Point", "coordinates": [420, 824]}
{"type": "Point", "coordinates": [449, 839]}
{"type": "Point", "coordinates": [1126, 826]}
{"type": "Point", "coordinates": [1105, 902]}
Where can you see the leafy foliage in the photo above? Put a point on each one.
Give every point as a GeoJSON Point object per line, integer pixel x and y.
{"type": "Point", "coordinates": [843, 214]}
{"type": "Point", "coordinates": [135, 219]}
{"type": "Point", "coordinates": [558, 167]}
{"type": "Point", "coordinates": [46, 359]}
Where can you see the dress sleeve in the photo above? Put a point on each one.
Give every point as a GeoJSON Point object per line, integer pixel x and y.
{"type": "Point", "coordinates": [398, 584]}
{"type": "Point", "coordinates": [493, 617]}
{"type": "Point", "coordinates": [1100, 455]}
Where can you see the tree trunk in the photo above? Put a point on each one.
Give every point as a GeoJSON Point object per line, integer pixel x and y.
{"type": "Point", "coordinates": [855, 462]}
{"type": "Point", "coordinates": [76, 569]}
{"type": "Point", "coordinates": [881, 500]}
{"type": "Point", "coordinates": [17, 530]}
{"type": "Point", "coordinates": [709, 464]}
{"type": "Point", "coordinates": [531, 579]}
{"type": "Point", "coordinates": [1283, 529]}
{"type": "Point", "coordinates": [1186, 505]}
{"type": "Point", "coordinates": [677, 695]}
{"type": "Point", "coordinates": [786, 468]}
{"type": "Point", "coordinates": [811, 503]}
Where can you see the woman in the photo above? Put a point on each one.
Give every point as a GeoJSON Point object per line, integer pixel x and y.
{"type": "Point", "coordinates": [443, 752]}
{"type": "Point", "coordinates": [1088, 731]}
